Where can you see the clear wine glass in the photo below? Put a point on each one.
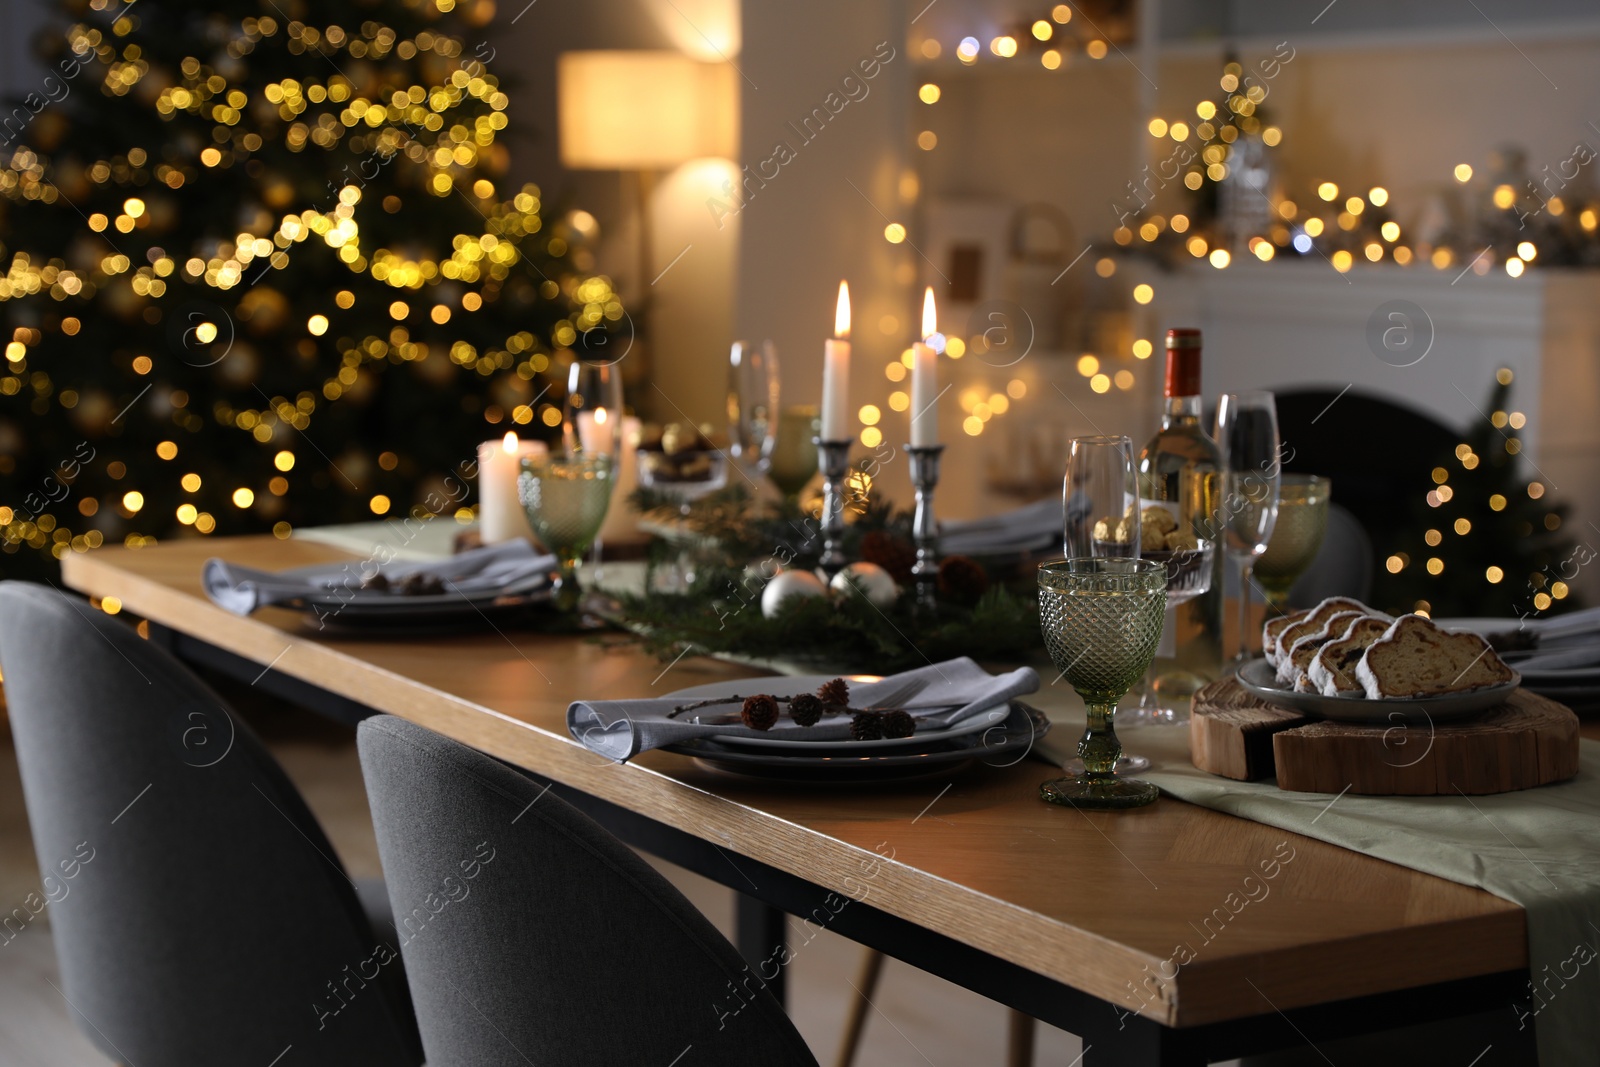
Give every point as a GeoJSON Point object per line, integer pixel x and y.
{"type": "Point", "coordinates": [753, 404]}
{"type": "Point", "coordinates": [1102, 619]}
{"type": "Point", "coordinates": [1247, 433]}
{"type": "Point", "coordinates": [1188, 576]}
{"type": "Point", "coordinates": [1296, 537]}
{"type": "Point", "coordinates": [1101, 520]}
{"type": "Point", "coordinates": [591, 421]}
{"type": "Point", "coordinates": [1100, 500]}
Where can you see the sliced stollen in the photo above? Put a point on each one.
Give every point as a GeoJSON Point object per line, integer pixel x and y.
{"type": "Point", "coordinates": [1314, 622]}
{"type": "Point", "coordinates": [1292, 667]}
{"type": "Point", "coordinates": [1274, 627]}
{"type": "Point", "coordinates": [1414, 658]}
{"type": "Point", "coordinates": [1333, 669]}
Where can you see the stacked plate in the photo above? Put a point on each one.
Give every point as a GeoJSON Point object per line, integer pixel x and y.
{"type": "Point", "coordinates": [400, 613]}
{"type": "Point", "coordinates": [472, 589]}
{"type": "Point", "coordinates": [999, 736]}
{"type": "Point", "coordinates": [1558, 657]}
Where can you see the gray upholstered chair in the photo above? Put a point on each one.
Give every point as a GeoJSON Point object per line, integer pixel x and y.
{"type": "Point", "coordinates": [532, 935]}
{"type": "Point", "coordinates": [199, 915]}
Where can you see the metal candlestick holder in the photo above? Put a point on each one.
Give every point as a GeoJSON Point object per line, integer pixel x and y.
{"type": "Point", "coordinates": [924, 530]}
{"type": "Point", "coordinates": [833, 457]}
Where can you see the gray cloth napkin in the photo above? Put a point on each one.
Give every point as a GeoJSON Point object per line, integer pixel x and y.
{"type": "Point", "coordinates": [506, 568]}
{"type": "Point", "coordinates": [1032, 526]}
{"type": "Point", "coordinates": [953, 691]}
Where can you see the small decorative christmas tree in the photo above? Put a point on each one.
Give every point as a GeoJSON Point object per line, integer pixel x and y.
{"type": "Point", "coordinates": [1482, 539]}
{"type": "Point", "coordinates": [260, 272]}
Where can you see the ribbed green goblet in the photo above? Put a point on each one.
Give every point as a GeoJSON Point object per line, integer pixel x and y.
{"type": "Point", "coordinates": [1102, 621]}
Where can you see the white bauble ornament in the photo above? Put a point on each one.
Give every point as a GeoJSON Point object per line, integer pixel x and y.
{"type": "Point", "coordinates": [786, 585]}
{"type": "Point", "coordinates": [870, 580]}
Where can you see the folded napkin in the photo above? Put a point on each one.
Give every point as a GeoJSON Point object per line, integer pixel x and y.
{"type": "Point", "coordinates": [1032, 526]}
{"type": "Point", "coordinates": [952, 691]}
{"type": "Point", "coordinates": [1562, 643]}
{"type": "Point", "coordinates": [506, 568]}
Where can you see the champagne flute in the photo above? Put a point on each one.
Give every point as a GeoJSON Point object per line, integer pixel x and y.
{"type": "Point", "coordinates": [1102, 619]}
{"type": "Point", "coordinates": [793, 460]}
{"type": "Point", "coordinates": [566, 497]}
{"type": "Point", "coordinates": [753, 404]}
{"type": "Point", "coordinates": [1247, 432]}
{"type": "Point", "coordinates": [592, 418]}
{"type": "Point", "coordinates": [1296, 537]}
{"type": "Point", "coordinates": [1100, 503]}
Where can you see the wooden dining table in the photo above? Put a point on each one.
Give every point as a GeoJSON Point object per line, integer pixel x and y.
{"type": "Point", "coordinates": [1073, 917]}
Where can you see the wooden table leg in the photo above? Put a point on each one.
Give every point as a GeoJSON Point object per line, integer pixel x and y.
{"type": "Point", "coordinates": [762, 932]}
{"type": "Point", "coordinates": [1019, 1039]}
{"type": "Point", "coordinates": [855, 1019]}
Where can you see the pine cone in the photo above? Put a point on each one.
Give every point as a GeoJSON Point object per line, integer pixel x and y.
{"type": "Point", "coordinates": [962, 580]}
{"type": "Point", "coordinates": [866, 726]}
{"type": "Point", "coordinates": [835, 692]}
{"type": "Point", "coordinates": [898, 724]}
{"type": "Point", "coordinates": [805, 709]}
{"type": "Point", "coordinates": [893, 554]}
{"type": "Point", "coordinates": [759, 712]}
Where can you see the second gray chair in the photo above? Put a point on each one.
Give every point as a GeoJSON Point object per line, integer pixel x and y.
{"type": "Point", "coordinates": [199, 915]}
{"type": "Point", "coordinates": [530, 934]}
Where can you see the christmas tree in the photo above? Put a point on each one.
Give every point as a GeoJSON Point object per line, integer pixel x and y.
{"type": "Point", "coordinates": [261, 272]}
{"type": "Point", "coordinates": [1481, 538]}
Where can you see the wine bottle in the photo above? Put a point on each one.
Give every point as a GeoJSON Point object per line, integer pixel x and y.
{"type": "Point", "coordinates": [1180, 472]}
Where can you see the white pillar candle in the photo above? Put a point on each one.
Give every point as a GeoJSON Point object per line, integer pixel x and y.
{"type": "Point", "coordinates": [925, 380]}
{"type": "Point", "coordinates": [597, 430]}
{"type": "Point", "coordinates": [500, 514]}
{"type": "Point", "coordinates": [836, 373]}
{"type": "Point", "coordinates": [622, 523]}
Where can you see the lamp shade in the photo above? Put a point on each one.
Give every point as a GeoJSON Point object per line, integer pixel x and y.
{"type": "Point", "coordinates": [644, 110]}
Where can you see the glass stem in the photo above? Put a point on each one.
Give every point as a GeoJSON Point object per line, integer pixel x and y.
{"type": "Point", "coordinates": [1099, 748]}
{"type": "Point", "coordinates": [1246, 565]}
{"type": "Point", "coordinates": [567, 583]}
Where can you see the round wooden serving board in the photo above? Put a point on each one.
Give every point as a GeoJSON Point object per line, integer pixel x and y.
{"type": "Point", "coordinates": [1529, 740]}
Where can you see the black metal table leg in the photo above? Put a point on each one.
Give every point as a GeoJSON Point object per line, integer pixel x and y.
{"type": "Point", "coordinates": [1124, 1039]}
{"type": "Point", "coordinates": [762, 935]}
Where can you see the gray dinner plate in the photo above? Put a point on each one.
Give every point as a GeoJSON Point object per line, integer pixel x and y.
{"type": "Point", "coordinates": [1258, 678]}
{"type": "Point", "coordinates": [1000, 745]}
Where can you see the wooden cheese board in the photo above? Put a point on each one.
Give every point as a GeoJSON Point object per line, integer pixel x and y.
{"type": "Point", "coordinates": [1528, 741]}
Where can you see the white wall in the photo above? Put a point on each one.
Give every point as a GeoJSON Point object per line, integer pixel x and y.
{"type": "Point", "coordinates": [822, 218]}
{"type": "Point", "coordinates": [691, 304]}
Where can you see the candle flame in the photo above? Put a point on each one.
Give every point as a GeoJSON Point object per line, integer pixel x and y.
{"type": "Point", "coordinates": [509, 444]}
{"type": "Point", "coordinates": [841, 314]}
{"type": "Point", "coordinates": [600, 416]}
{"type": "Point", "coordinates": [930, 317]}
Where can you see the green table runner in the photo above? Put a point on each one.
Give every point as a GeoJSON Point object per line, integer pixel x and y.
{"type": "Point", "coordinates": [1539, 848]}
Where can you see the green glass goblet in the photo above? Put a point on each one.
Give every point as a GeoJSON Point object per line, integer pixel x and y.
{"type": "Point", "coordinates": [794, 452]}
{"type": "Point", "coordinates": [1102, 620]}
{"type": "Point", "coordinates": [566, 498]}
{"type": "Point", "coordinates": [1296, 538]}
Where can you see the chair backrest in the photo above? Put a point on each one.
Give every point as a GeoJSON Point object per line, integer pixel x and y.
{"type": "Point", "coordinates": [199, 914]}
{"type": "Point", "coordinates": [531, 934]}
